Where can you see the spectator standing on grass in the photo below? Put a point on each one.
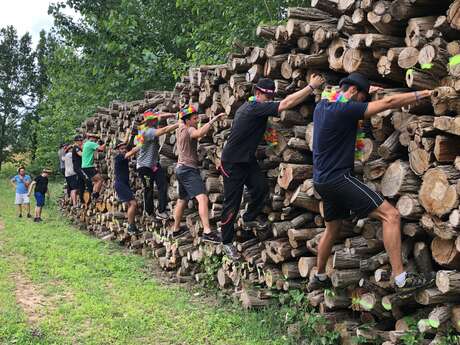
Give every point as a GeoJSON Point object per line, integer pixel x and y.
{"type": "Point", "coordinates": [40, 184]}
{"type": "Point", "coordinates": [21, 183]}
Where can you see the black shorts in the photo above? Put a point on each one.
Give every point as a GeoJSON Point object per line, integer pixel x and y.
{"type": "Point", "coordinates": [72, 182]}
{"type": "Point", "coordinates": [89, 173]}
{"type": "Point", "coordinates": [124, 193]}
{"type": "Point", "coordinates": [345, 195]}
{"type": "Point", "coordinates": [190, 182]}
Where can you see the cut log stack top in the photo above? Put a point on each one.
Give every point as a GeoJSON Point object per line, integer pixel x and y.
{"type": "Point", "coordinates": [412, 158]}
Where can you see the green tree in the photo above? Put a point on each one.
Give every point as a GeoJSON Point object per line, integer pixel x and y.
{"type": "Point", "coordinates": [16, 91]}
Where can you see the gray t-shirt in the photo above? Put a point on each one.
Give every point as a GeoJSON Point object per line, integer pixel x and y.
{"type": "Point", "coordinates": [61, 154]}
{"type": "Point", "coordinates": [148, 154]}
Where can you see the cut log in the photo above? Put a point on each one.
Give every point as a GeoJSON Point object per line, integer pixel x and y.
{"type": "Point", "coordinates": [448, 281]}
{"type": "Point", "coordinates": [445, 253]}
{"type": "Point", "coordinates": [409, 207]}
{"type": "Point", "coordinates": [291, 175]}
{"type": "Point", "coordinates": [446, 148]}
{"type": "Point", "coordinates": [399, 179]}
{"type": "Point", "coordinates": [437, 195]}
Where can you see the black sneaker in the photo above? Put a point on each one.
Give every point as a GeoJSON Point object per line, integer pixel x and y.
{"type": "Point", "coordinates": [36, 220]}
{"type": "Point", "coordinates": [29, 215]}
{"type": "Point", "coordinates": [132, 229]}
{"type": "Point", "coordinates": [180, 233]}
{"type": "Point", "coordinates": [39, 219]}
{"type": "Point", "coordinates": [20, 216]}
{"type": "Point", "coordinates": [415, 281]}
{"type": "Point", "coordinates": [212, 237]}
{"type": "Point", "coordinates": [316, 284]}
{"type": "Point", "coordinates": [231, 252]}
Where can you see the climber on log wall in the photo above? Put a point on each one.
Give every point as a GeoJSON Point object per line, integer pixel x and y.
{"type": "Point", "coordinates": [239, 166]}
{"type": "Point", "coordinates": [190, 182]}
{"type": "Point", "coordinates": [338, 129]}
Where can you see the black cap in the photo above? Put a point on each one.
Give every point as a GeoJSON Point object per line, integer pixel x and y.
{"type": "Point", "coordinates": [266, 86]}
{"type": "Point", "coordinates": [78, 138]}
{"type": "Point", "coordinates": [358, 80]}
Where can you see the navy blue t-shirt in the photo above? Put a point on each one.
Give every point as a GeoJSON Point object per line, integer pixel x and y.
{"type": "Point", "coordinates": [247, 131]}
{"type": "Point", "coordinates": [334, 138]}
{"type": "Point", "coordinates": [121, 169]}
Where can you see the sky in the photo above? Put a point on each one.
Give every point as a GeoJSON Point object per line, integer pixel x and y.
{"type": "Point", "coordinates": [27, 16]}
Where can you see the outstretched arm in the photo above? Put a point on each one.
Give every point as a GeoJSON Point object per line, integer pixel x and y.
{"type": "Point", "coordinates": [395, 101]}
{"type": "Point", "coordinates": [201, 132]}
{"type": "Point", "coordinates": [298, 97]}
{"type": "Point", "coordinates": [131, 153]}
{"type": "Point", "coordinates": [163, 130]}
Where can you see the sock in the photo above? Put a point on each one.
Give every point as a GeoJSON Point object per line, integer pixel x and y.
{"type": "Point", "coordinates": [400, 279]}
{"type": "Point", "coordinates": [207, 231]}
{"type": "Point", "coordinates": [321, 276]}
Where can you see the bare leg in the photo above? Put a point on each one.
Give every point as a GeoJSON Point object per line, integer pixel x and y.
{"type": "Point", "coordinates": [178, 212]}
{"type": "Point", "coordinates": [19, 209]}
{"type": "Point", "coordinates": [28, 208]}
{"type": "Point", "coordinates": [391, 223]}
{"type": "Point", "coordinates": [97, 181]}
{"type": "Point", "coordinates": [203, 211]}
{"type": "Point", "coordinates": [73, 197]}
{"type": "Point", "coordinates": [132, 206]}
{"type": "Point", "coordinates": [38, 212]}
{"type": "Point", "coordinates": [325, 244]}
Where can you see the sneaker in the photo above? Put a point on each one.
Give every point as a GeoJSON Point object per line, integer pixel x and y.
{"type": "Point", "coordinates": [212, 237]}
{"type": "Point", "coordinates": [415, 281]}
{"type": "Point", "coordinates": [231, 252]}
{"type": "Point", "coordinates": [36, 220]}
{"type": "Point", "coordinates": [20, 216]}
{"type": "Point", "coordinates": [39, 219]}
{"type": "Point", "coordinates": [132, 229]}
{"type": "Point", "coordinates": [29, 215]}
{"type": "Point", "coordinates": [180, 233]}
{"type": "Point", "coordinates": [316, 284]}
{"type": "Point", "coordinates": [161, 216]}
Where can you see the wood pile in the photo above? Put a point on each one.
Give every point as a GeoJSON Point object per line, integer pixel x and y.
{"type": "Point", "coordinates": [412, 157]}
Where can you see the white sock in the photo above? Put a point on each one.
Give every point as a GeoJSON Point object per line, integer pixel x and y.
{"type": "Point", "coordinates": [400, 279]}
{"type": "Point", "coordinates": [321, 276]}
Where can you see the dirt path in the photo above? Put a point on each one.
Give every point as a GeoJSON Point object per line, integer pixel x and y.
{"type": "Point", "coordinates": [29, 297]}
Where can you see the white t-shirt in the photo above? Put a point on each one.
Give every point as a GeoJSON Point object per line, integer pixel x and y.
{"type": "Point", "coordinates": [68, 164]}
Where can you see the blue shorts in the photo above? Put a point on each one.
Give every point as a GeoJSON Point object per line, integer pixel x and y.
{"type": "Point", "coordinates": [40, 199]}
{"type": "Point", "coordinates": [124, 193]}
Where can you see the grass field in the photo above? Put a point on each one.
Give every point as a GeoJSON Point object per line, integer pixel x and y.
{"type": "Point", "coordinates": [61, 286]}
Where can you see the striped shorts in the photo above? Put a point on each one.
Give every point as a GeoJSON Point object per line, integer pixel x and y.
{"type": "Point", "coordinates": [347, 196]}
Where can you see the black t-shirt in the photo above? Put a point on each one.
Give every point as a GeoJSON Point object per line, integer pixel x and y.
{"type": "Point", "coordinates": [334, 138]}
{"type": "Point", "coordinates": [41, 184]}
{"type": "Point", "coordinates": [247, 131]}
{"type": "Point", "coordinates": [121, 169]}
{"type": "Point", "coordinates": [76, 159]}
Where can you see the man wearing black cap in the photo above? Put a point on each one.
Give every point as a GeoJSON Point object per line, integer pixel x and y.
{"type": "Point", "coordinates": [239, 166]}
{"type": "Point", "coordinates": [336, 123]}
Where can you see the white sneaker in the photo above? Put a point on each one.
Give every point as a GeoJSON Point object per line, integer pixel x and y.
{"type": "Point", "coordinates": [162, 215]}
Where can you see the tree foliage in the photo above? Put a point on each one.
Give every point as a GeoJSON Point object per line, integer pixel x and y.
{"type": "Point", "coordinates": [16, 87]}
{"type": "Point", "coordinates": [116, 49]}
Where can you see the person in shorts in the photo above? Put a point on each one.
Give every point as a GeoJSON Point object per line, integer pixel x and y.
{"type": "Point", "coordinates": [121, 184]}
{"type": "Point", "coordinates": [71, 176]}
{"type": "Point", "coordinates": [338, 123]}
{"type": "Point", "coordinates": [21, 184]}
{"type": "Point", "coordinates": [92, 177]}
{"type": "Point", "coordinates": [191, 185]}
{"type": "Point", "coordinates": [40, 187]}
